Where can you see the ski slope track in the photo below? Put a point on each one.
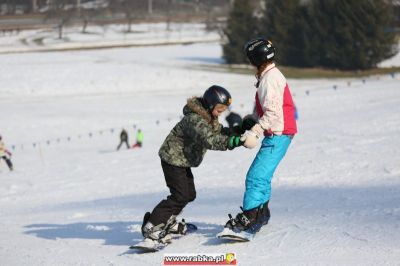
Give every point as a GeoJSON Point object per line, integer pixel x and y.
{"type": "Point", "coordinates": [74, 200]}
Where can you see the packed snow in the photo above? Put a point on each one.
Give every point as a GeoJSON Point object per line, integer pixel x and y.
{"type": "Point", "coordinates": [74, 200]}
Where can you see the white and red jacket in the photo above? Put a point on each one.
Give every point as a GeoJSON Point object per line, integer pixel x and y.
{"type": "Point", "coordinates": [274, 104]}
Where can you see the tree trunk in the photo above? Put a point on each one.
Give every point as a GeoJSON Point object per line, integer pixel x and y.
{"type": "Point", "coordinates": [78, 6]}
{"type": "Point", "coordinates": [150, 6]}
{"type": "Point", "coordinates": [85, 23]}
{"type": "Point", "coordinates": [130, 24]}
{"type": "Point", "coordinates": [60, 30]}
{"type": "Point", "coordinates": [34, 6]}
{"type": "Point", "coordinates": [169, 15]}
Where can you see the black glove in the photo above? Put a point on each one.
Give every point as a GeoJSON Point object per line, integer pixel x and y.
{"type": "Point", "coordinates": [234, 141]}
{"type": "Point", "coordinates": [248, 122]}
{"type": "Point", "coordinates": [237, 130]}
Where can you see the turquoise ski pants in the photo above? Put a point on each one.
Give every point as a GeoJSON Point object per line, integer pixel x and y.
{"type": "Point", "coordinates": [259, 176]}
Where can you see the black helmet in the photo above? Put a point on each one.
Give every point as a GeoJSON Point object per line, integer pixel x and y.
{"type": "Point", "coordinates": [216, 95]}
{"type": "Point", "coordinates": [259, 51]}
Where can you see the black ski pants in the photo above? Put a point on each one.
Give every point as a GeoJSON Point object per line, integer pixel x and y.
{"type": "Point", "coordinates": [8, 162]}
{"type": "Point", "coordinates": [180, 183]}
{"type": "Point", "coordinates": [122, 142]}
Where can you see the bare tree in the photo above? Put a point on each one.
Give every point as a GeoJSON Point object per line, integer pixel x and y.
{"type": "Point", "coordinates": [125, 7]}
{"type": "Point", "coordinates": [11, 6]}
{"type": "Point", "coordinates": [128, 8]}
{"type": "Point", "coordinates": [86, 16]}
{"type": "Point", "coordinates": [59, 14]}
{"type": "Point", "coordinates": [88, 13]}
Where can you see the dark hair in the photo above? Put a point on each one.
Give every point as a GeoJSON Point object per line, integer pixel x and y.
{"type": "Point", "coordinates": [261, 68]}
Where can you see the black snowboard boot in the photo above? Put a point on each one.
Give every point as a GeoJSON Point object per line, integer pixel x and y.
{"type": "Point", "coordinates": [145, 220]}
{"type": "Point", "coordinates": [249, 220]}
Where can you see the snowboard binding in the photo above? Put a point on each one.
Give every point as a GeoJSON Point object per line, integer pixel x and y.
{"type": "Point", "coordinates": [164, 232]}
{"type": "Point", "coordinates": [250, 220]}
{"type": "Point", "coordinates": [157, 233]}
{"type": "Point", "coordinates": [158, 237]}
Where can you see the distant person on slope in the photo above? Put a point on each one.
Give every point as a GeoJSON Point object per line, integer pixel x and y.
{"type": "Point", "coordinates": [139, 139]}
{"type": "Point", "coordinates": [123, 137]}
{"type": "Point", "coordinates": [198, 131]}
{"type": "Point", "coordinates": [276, 123]}
{"type": "Point", "coordinates": [5, 154]}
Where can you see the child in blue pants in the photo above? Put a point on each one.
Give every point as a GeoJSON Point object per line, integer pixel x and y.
{"type": "Point", "coordinates": [277, 124]}
{"type": "Point", "coordinates": [259, 176]}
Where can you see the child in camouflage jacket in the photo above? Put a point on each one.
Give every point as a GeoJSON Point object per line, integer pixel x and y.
{"type": "Point", "coordinates": [185, 147]}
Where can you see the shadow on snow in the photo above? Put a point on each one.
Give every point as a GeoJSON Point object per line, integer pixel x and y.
{"type": "Point", "coordinates": [335, 207]}
{"type": "Point", "coordinates": [113, 233]}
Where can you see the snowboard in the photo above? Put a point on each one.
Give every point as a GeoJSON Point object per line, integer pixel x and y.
{"type": "Point", "coordinates": [149, 245]}
{"type": "Point", "coordinates": [230, 235]}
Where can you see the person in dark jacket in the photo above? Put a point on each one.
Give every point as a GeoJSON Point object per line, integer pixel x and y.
{"type": "Point", "coordinates": [123, 137]}
{"type": "Point", "coordinates": [185, 147]}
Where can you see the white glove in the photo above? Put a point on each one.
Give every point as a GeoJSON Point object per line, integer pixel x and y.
{"type": "Point", "coordinates": [250, 139]}
{"type": "Point", "coordinates": [252, 136]}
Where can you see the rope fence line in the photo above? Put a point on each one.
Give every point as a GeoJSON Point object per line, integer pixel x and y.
{"type": "Point", "coordinates": [92, 134]}
{"type": "Point", "coordinates": [353, 82]}
{"type": "Point", "coordinates": [81, 136]}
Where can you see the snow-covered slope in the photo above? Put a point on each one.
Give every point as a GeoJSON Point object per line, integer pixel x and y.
{"type": "Point", "coordinates": [113, 35]}
{"type": "Point", "coordinates": [76, 201]}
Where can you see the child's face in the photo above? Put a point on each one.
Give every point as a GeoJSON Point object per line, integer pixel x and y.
{"type": "Point", "coordinates": [219, 109]}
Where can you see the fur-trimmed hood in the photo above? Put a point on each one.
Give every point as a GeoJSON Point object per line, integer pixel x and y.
{"type": "Point", "coordinates": [194, 105]}
{"type": "Point", "coordinates": [191, 137]}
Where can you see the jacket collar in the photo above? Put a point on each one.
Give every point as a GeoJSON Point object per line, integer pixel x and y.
{"type": "Point", "coordinates": [271, 66]}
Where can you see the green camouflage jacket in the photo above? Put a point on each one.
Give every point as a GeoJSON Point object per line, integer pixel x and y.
{"type": "Point", "coordinates": [191, 137]}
